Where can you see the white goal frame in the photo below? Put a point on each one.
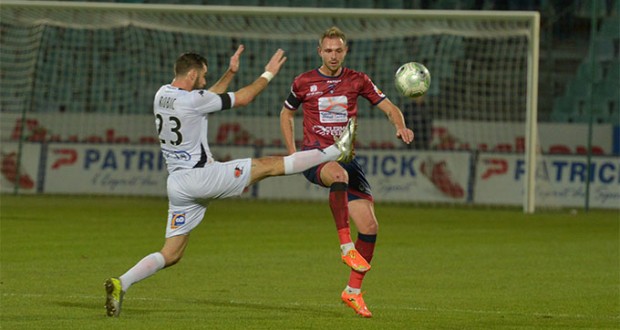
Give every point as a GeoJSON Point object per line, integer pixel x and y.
{"type": "Point", "coordinates": [531, 18]}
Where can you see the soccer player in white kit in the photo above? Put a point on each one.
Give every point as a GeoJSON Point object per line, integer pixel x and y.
{"type": "Point", "coordinates": [181, 111]}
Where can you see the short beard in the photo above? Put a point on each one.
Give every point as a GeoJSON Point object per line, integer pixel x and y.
{"type": "Point", "coordinates": [197, 85]}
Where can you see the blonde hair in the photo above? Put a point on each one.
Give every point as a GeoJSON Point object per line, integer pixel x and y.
{"type": "Point", "coordinates": [333, 32]}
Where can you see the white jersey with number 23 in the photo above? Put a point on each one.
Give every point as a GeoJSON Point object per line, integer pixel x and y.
{"type": "Point", "coordinates": [181, 119]}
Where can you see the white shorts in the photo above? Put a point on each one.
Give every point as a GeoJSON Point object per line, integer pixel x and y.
{"type": "Point", "coordinates": [191, 190]}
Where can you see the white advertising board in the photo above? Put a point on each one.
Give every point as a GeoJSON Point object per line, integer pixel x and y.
{"type": "Point", "coordinates": [105, 169]}
{"type": "Point", "coordinates": [395, 175]}
{"type": "Point", "coordinates": [560, 180]}
{"type": "Point", "coordinates": [114, 169]}
{"type": "Point", "coordinates": [399, 176]}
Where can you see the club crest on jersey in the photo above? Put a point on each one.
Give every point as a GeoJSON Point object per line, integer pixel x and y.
{"type": "Point", "coordinates": [238, 171]}
{"type": "Point", "coordinates": [178, 219]}
{"type": "Point", "coordinates": [314, 90]}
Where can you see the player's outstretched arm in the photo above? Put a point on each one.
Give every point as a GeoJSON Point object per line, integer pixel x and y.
{"type": "Point", "coordinates": [287, 126]}
{"type": "Point", "coordinates": [396, 118]}
{"type": "Point", "coordinates": [246, 95]}
{"type": "Point", "coordinates": [221, 85]}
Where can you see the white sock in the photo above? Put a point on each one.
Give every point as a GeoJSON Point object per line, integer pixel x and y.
{"type": "Point", "coordinates": [345, 248]}
{"type": "Point", "coordinates": [146, 267]}
{"type": "Point", "coordinates": [303, 160]}
{"type": "Point", "coordinates": [349, 290]}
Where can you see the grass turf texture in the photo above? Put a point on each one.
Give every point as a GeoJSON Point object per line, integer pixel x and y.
{"type": "Point", "coordinates": [275, 265]}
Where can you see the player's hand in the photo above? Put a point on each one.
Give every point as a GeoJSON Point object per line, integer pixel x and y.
{"type": "Point", "coordinates": [234, 60]}
{"type": "Point", "coordinates": [276, 62]}
{"type": "Point", "coordinates": [405, 134]}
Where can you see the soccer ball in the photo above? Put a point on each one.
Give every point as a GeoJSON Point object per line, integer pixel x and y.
{"type": "Point", "coordinates": [412, 79]}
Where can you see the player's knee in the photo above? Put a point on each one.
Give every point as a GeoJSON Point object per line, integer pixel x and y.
{"type": "Point", "coordinates": [335, 174]}
{"type": "Point", "coordinates": [374, 227]}
{"type": "Point", "coordinates": [369, 228]}
{"type": "Point", "coordinates": [341, 177]}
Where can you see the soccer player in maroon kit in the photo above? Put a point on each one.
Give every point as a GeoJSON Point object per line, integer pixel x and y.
{"type": "Point", "coordinates": [328, 96]}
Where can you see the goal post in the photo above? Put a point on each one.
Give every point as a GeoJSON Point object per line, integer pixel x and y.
{"type": "Point", "coordinates": [531, 125]}
{"type": "Point", "coordinates": [78, 66]}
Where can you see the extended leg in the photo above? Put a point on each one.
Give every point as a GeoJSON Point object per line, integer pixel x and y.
{"type": "Point", "coordinates": [169, 255]}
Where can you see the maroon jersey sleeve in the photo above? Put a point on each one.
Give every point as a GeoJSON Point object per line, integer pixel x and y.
{"type": "Point", "coordinates": [296, 97]}
{"type": "Point", "coordinates": [370, 91]}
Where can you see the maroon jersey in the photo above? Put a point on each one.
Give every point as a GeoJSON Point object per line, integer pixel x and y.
{"type": "Point", "coordinates": [329, 102]}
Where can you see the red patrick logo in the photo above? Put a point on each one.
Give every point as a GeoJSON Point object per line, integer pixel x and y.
{"type": "Point", "coordinates": [65, 157]}
{"type": "Point", "coordinates": [495, 166]}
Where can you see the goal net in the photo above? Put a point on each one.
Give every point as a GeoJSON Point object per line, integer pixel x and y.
{"type": "Point", "coordinates": [81, 77]}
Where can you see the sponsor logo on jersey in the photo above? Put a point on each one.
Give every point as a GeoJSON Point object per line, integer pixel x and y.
{"type": "Point", "coordinates": [178, 219]}
{"type": "Point", "coordinates": [314, 91]}
{"type": "Point", "coordinates": [333, 109]}
{"type": "Point", "coordinates": [238, 171]}
{"type": "Point", "coordinates": [327, 130]}
{"type": "Point", "coordinates": [176, 154]}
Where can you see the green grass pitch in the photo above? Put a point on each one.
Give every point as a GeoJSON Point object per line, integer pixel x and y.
{"type": "Point", "coordinates": [275, 265]}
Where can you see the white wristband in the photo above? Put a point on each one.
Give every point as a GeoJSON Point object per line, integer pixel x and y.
{"type": "Point", "coordinates": [267, 75]}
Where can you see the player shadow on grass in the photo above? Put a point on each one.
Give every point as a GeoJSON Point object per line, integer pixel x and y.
{"type": "Point", "coordinates": [261, 306]}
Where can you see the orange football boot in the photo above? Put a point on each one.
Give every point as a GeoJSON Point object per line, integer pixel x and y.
{"type": "Point", "coordinates": [356, 302]}
{"type": "Point", "coordinates": [355, 260]}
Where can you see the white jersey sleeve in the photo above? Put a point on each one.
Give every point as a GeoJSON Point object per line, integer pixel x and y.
{"type": "Point", "coordinates": [181, 120]}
